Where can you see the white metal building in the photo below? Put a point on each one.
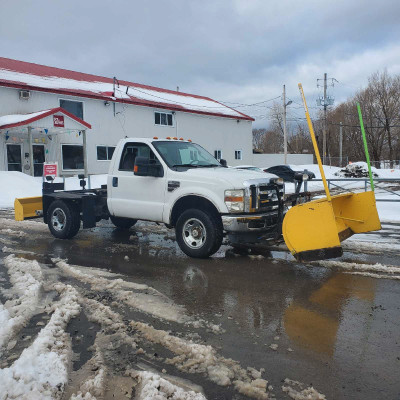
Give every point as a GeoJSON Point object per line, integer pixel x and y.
{"type": "Point", "coordinates": [114, 109]}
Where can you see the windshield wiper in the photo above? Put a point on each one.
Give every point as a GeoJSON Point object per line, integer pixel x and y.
{"type": "Point", "coordinates": [208, 166]}
{"type": "Point", "coordinates": [185, 165]}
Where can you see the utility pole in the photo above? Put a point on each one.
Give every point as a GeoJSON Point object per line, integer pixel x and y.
{"type": "Point", "coordinates": [340, 144]}
{"type": "Point", "coordinates": [284, 125]}
{"type": "Point", "coordinates": [324, 133]}
{"type": "Point", "coordinates": [325, 102]}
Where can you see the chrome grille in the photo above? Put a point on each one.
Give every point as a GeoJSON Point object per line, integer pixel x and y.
{"type": "Point", "coordinates": [264, 197]}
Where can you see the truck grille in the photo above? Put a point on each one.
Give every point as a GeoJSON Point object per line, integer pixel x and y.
{"type": "Point", "coordinates": [265, 197]}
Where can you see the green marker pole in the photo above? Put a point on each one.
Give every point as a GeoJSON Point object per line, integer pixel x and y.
{"type": "Point", "coordinates": [365, 146]}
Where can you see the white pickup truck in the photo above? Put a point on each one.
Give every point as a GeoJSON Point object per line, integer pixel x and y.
{"type": "Point", "coordinates": [178, 183]}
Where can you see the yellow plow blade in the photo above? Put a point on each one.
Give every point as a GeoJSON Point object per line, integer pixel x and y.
{"type": "Point", "coordinates": [28, 207]}
{"type": "Point", "coordinates": [314, 230]}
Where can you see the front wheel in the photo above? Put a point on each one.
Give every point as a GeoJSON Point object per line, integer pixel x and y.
{"type": "Point", "coordinates": [198, 234]}
{"type": "Point", "coordinates": [63, 220]}
{"type": "Point", "coordinates": [123, 223]}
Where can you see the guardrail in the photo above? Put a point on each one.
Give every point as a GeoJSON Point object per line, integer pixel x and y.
{"type": "Point", "coordinates": [366, 184]}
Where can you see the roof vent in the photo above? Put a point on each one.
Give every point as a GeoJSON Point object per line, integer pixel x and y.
{"type": "Point", "coordinates": [24, 94]}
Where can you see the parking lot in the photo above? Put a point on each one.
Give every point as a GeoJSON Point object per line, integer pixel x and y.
{"type": "Point", "coordinates": [221, 326]}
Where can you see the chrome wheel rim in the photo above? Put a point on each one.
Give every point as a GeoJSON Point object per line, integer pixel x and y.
{"type": "Point", "coordinates": [58, 219]}
{"type": "Point", "coordinates": [194, 233]}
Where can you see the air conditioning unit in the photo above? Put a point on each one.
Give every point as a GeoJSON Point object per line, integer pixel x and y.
{"type": "Point", "coordinates": [24, 94]}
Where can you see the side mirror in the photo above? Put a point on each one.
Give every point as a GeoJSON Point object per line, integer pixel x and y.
{"type": "Point", "coordinates": [223, 162]}
{"type": "Point", "coordinates": [145, 167]}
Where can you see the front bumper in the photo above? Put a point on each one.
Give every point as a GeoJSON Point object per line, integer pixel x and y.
{"type": "Point", "coordinates": [250, 223]}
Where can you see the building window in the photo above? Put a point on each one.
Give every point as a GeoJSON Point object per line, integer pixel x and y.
{"type": "Point", "coordinates": [105, 153]}
{"type": "Point", "coordinates": [238, 154]}
{"type": "Point", "coordinates": [161, 118]}
{"type": "Point", "coordinates": [218, 154]}
{"type": "Point", "coordinates": [73, 107]}
{"type": "Point", "coordinates": [72, 156]}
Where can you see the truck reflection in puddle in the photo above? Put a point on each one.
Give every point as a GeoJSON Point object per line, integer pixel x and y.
{"type": "Point", "coordinates": [314, 323]}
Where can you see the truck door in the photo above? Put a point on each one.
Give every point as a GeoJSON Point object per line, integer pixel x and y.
{"type": "Point", "coordinates": [137, 197]}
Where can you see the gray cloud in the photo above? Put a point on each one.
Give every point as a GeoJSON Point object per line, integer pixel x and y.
{"type": "Point", "coordinates": [241, 51]}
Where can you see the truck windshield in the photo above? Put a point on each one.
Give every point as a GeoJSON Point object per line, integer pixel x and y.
{"type": "Point", "coordinates": [184, 154]}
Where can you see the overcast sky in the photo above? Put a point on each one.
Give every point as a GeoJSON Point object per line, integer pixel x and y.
{"type": "Point", "coordinates": [234, 51]}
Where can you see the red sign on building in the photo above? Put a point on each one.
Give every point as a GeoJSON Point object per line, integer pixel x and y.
{"type": "Point", "coordinates": [58, 121]}
{"type": "Point", "coordinates": [50, 169]}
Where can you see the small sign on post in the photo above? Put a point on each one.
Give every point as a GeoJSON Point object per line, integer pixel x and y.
{"type": "Point", "coordinates": [58, 121]}
{"type": "Point", "coordinates": [50, 169]}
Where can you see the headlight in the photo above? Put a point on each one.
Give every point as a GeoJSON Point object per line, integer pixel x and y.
{"type": "Point", "coordinates": [277, 181]}
{"type": "Point", "coordinates": [234, 200]}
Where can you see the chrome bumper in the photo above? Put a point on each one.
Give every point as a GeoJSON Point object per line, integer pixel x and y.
{"type": "Point", "coordinates": [250, 223]}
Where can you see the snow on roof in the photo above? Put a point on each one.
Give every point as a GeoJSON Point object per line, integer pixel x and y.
{"type": "Point", "coordinates": [24, 75]}
{"type": "Point", "coordinates": [13, 120]}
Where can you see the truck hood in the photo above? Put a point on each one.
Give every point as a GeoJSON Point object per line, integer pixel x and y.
{"type": "Point", "coordinates": [229, 178]}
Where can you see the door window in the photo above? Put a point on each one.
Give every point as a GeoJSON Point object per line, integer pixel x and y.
{"type": "Point", "coordinates": [14, 159]}
{"type": "Point", "coordinates": [131, 151]}
{"type": "Point", "coordinates": [38, 159]}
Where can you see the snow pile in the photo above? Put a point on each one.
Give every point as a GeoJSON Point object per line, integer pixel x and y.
{"type": "Point", "coordinates": [26, 278]}
{"type": "Point", "coordinates": [152, 387]}
{"type": "Point", "coordinates": [348, 266]}
{"type": "Point", "coordinates": [295, 390]}
{"type": "Point", "coordinates": [15, 185]}
{"type": "Point", "coordinates": [41, 370]}
{"type": "Point", "coordinates": [196, 358]}
{"type": "Point", "coordinates": [356, 170]}
{"type": "Point", "coordinates": [18, 185]}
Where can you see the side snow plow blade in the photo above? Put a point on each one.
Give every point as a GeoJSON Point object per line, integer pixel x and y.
{"type": "Point", "coordinates": [28, 207]}
{"type": "Point", "coordinates": [314, 230]}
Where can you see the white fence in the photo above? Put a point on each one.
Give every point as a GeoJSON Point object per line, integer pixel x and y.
{"type": "Point", "coordinates": [269, 160]}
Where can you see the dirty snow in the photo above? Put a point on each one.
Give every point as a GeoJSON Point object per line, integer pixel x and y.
{"type": "Point", "coordinates": [197, 358]}
{"type": "Point", "coordinates": [41, 370]}
{"type": "Point", "coordinates": [26, 278]}
{"type": "Point", "coordinates": [296, 391]}
{"type": "Point", "coordinates": [141, 297]}
{"type": "Point", "coordinates": [152, 387]}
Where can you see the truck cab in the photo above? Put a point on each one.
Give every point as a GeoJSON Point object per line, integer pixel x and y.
{"type": "Point", "coordinates": [178, 183]}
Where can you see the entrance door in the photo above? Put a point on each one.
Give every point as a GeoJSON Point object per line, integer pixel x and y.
{"type": "Point", "coordinates": [38, 159]}
{"type": "Point", "coordinates": [14, 157]}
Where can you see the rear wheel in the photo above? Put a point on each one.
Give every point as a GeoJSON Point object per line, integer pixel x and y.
{"type": "Point", "coordinates": [63, 220]}
{"type": "Point", "coordinates": [198, 234]}
{"type": "Point", "coordinates": [123, 223]}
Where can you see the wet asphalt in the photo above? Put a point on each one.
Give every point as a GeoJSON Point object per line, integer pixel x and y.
{"type": "Point", "coordinates": [336, 331]}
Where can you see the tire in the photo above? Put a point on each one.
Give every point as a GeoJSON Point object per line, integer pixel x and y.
{"type": "Point", "coordinates": [123, 223]}
{"type": "Point", "coordinates": [199, 235]}
{"type": "Point", "coordinates": [63, 220]}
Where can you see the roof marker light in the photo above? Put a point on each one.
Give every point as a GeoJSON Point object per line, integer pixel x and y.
{"type": "Point", "coordinates": [169, 137]}
{"type": "Point", "coordinates": [175, 138]}
{"type": "Point", "coordinates": [189, 140]}
{"type": "Point", "coordinates": [181, 138]}
{"type": "Point", "coordinates": [155, 137]}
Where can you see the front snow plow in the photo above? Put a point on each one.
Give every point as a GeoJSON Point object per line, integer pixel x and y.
{"type": "Point", "coordinates": [314, 230]}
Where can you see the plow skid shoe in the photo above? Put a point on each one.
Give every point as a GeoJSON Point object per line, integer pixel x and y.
{"type": "Point", "coordinates": [314, 230]}
{"type": "Point", "coordinates": [28, 207]}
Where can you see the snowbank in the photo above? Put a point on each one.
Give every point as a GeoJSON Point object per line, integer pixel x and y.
{"type": "Point", "coordinates": [17, 184]}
